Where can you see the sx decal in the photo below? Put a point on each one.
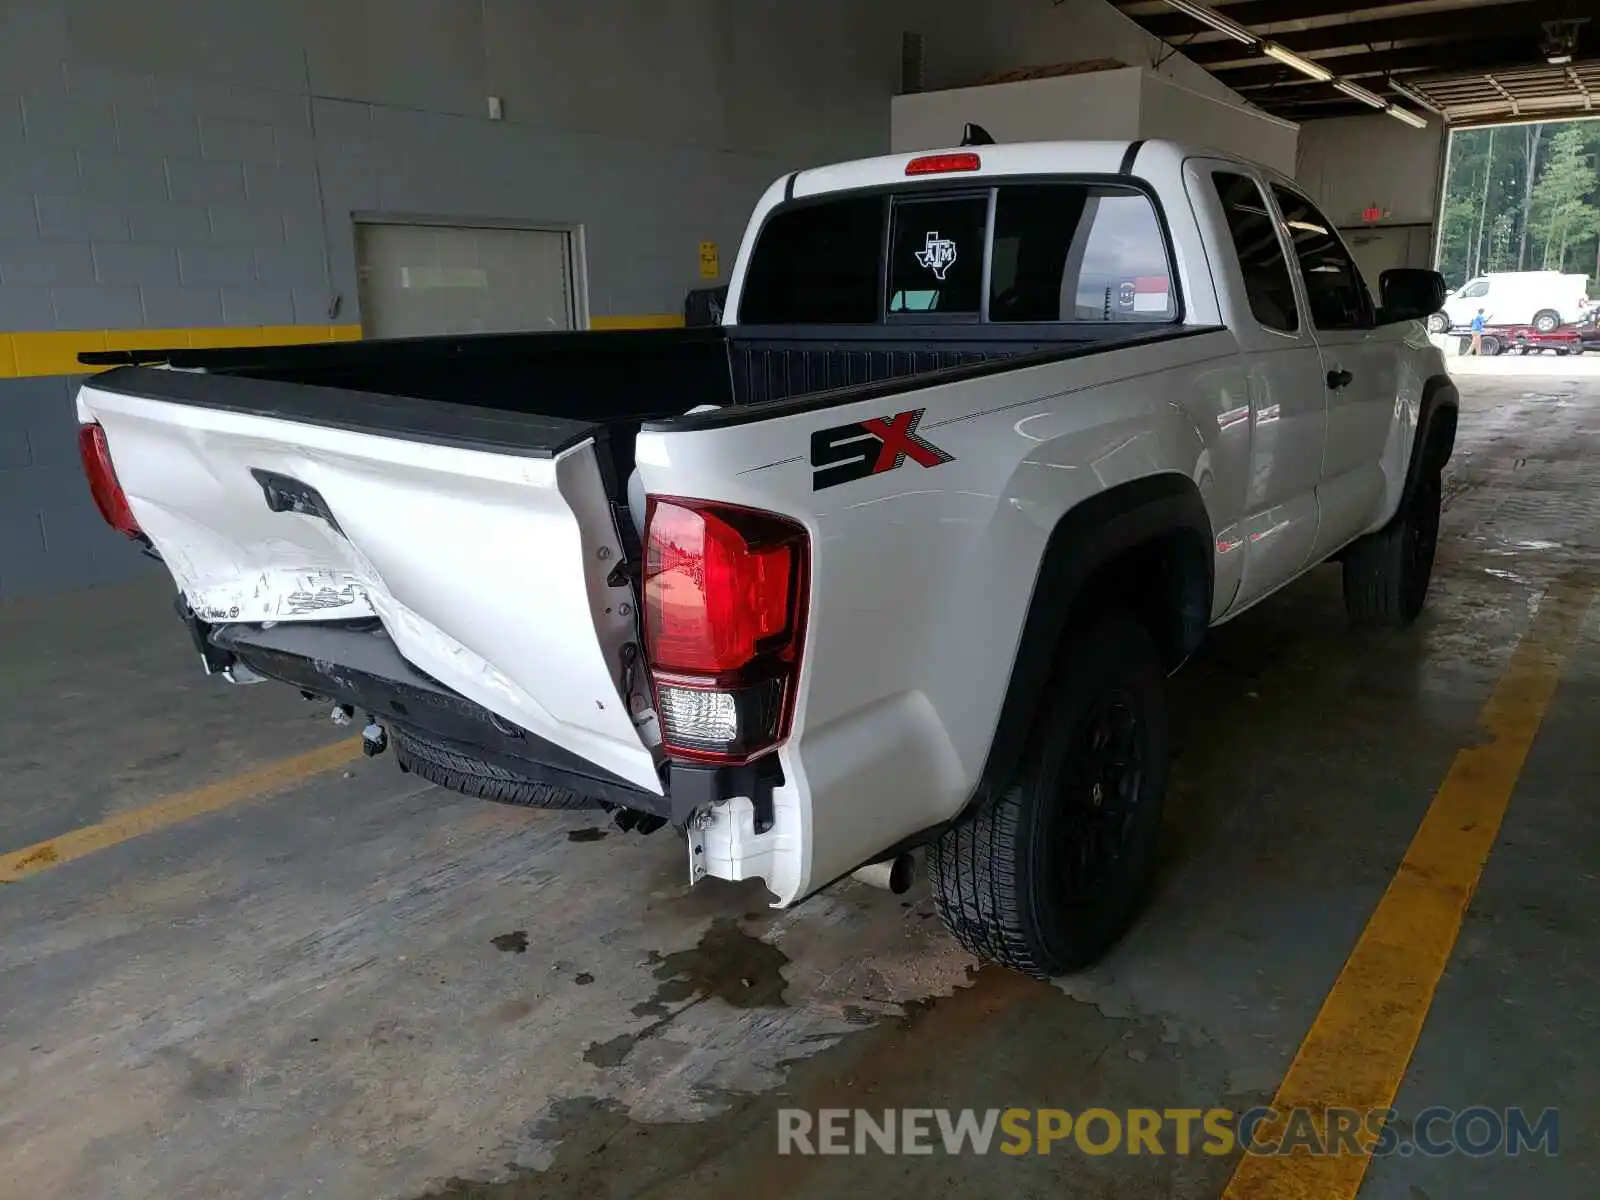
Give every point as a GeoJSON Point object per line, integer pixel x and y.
{"type": "Point", "coordinates": [848, 452]}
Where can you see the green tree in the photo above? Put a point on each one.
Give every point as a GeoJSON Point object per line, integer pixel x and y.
{"type": "Point", "coordinates": [1455, 238]}
{"type": "Point", "coordinates": [1502, 256]}
{"type": "Point", "coordinates": [1564, 211]}
{"type": "Point", "coordinates": [1530, 149]}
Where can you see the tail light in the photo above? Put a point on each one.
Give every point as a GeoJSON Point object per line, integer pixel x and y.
{"type": "Point", "coordinates": [108, 495]}
{"type": "Point", "coordinates": [725, 607]}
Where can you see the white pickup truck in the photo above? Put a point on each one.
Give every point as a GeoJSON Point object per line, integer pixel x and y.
{"type": "Point", "coordinates": [896, 557]}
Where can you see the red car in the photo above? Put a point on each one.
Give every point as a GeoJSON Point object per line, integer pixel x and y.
{"type": "Point", "coordinates": [1589, 328]}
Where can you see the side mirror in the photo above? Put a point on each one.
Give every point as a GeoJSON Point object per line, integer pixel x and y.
{"type": "Point", "coordinates": [1409, 294]}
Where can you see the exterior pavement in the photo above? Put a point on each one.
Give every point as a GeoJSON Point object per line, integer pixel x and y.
{"type": "Point", "coordinates": [350, 984]}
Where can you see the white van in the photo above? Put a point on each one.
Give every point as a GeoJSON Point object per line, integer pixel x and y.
{"type": "Point", "coordinates": [1543, 299]}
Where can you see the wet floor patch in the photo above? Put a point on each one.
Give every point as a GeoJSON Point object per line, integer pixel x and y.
{"type": "Point", "coordinates": [515, 942]}
{"type": "Point", "coordinates": [603, 1153]}
{"type": "Point", "coordinates": [1001, 1040]}
{"type": "Point", "coordinates": [591, 834]}
{"type": "Point", "coordinates": [726, 964]}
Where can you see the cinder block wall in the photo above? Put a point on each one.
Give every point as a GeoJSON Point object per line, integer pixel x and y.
{"type": "Point", "coordinates": [185, 171]}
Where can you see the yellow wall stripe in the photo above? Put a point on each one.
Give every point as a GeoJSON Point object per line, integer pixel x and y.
{"type": "Point", "coordinates": [1357, 1051]}
{"type": "Point", "coordinates": [644, 321]}
{"type": "Point", "coordinates": [25, 354]}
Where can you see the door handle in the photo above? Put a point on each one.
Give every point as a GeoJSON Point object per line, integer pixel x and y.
{"type": "Point", "coordinates": [1339, 378]}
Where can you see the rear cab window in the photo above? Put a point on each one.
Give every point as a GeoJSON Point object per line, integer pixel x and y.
{"type": "Point", "coordinates": [1065, 252]}
{"type": "Point", "coordinates": [817, 264]}
{"type": "Point", "coordinates": [1058, 251]}
{"type": "Point", "coordinates": [936, 255]}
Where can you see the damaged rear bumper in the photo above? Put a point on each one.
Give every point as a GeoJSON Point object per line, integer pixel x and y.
{"type": "Point", "coordinates": [355, 663]}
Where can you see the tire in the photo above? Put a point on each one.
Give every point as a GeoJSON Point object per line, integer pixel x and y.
{"type": "Point", "coordinates": [1014, 881]}
{"type": "Point", "coordinates": [1386, 573]}
{"type": "Point", "coordinates": [1492, 347]}
{"type": "Point", "coordinates": [1438, 323]}
{"type": "Point", "coordinates": [1546, 320]}
{"type": "Point", "coordinates": [471, 777]}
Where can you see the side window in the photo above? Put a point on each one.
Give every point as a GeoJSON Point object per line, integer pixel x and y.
{"type": "Point", "coordinates": [936, 255]}
{"type": "Point", "coordinates": [817, 264]}
{"type": "Point", "coordinates": [1334, 287]}
{"type": "Point", "coordinates": [1267, 284]}
{"type": "Point", "coordinates": [1074, 252]}
{"type": "Point", "coordinates": [1474, 290]}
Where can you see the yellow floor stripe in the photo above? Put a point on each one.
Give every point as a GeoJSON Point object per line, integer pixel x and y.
{"type": "Point", "coordinates": [170, 810]}
{"type": "Point", "coordinates": [1360, 1045]}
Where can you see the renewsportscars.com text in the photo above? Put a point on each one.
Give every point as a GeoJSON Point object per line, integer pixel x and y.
{"type": "Point", "coordinates": [1434, 1132]}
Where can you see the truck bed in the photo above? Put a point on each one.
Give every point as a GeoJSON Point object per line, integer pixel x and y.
{"type": "Point", "coordinates": [471, 498]}
{"type": "Point", "coordinates": [539, 394]}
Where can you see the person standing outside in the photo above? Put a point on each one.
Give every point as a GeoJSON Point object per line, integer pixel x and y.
{"type": "Point", "coordinates": [1477, 333]}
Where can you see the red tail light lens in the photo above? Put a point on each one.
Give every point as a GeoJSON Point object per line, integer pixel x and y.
{"type": "Point", "coordinates": [939, 164]}
{"type": "Point", "coordinates": [724, 600]}
{"type": "Point", "coordinates": [108, 495]}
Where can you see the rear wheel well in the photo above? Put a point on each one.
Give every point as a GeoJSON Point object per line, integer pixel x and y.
{"type": "Point", "coordinates": [1144, 545]}
{"type": "Point", "coordinates": [1163, 582]}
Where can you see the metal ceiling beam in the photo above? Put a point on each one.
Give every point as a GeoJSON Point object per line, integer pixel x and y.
{"type": "Point", "coordinates": [1473, 24]}
{"type": "Point", "coordinates": [1324, 112]}
{"type": "Point", "coordinates": [1460, 56]}
{"type": "Point", "coordinates": [1172, 24]}
{"type": "Point", "coordinates": [1511, 100]}
{"type": "Point", "coordinates": [1577, 82]}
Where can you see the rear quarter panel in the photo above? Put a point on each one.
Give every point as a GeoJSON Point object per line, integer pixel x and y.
{"type": "Point", "coordinates": [921, 576]}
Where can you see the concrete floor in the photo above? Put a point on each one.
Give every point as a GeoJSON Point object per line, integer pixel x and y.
{"type": "Point", "coordinates": [362, 986]}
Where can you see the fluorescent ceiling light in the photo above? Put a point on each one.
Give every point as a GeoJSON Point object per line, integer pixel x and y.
{"type": "Point", "coordinates": [1290, 59]}
{"type": "Point", "coordinates": [1360, 93]}
{"type": "Point", "coordinates": [1406, 115]}
{"type": "Point", "coordinates": [1209, 16]}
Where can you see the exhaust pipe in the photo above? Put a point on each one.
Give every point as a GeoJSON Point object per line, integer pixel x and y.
{"type": "Point", "coordinates": [892, 875]}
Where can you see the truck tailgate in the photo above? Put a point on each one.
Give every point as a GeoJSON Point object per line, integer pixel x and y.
{"type": "Point", "coordinates": [484, 542]}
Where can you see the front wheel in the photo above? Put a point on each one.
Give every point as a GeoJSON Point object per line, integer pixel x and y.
{"type": "Point", "coordinates": [1386, 573]}
{"type": "Point", "coordinates": [1045, 877]}
{"type": "Point", "coordinates": [1546, 320]}
{"type": "Point", "coordinates": [1438, 323]}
